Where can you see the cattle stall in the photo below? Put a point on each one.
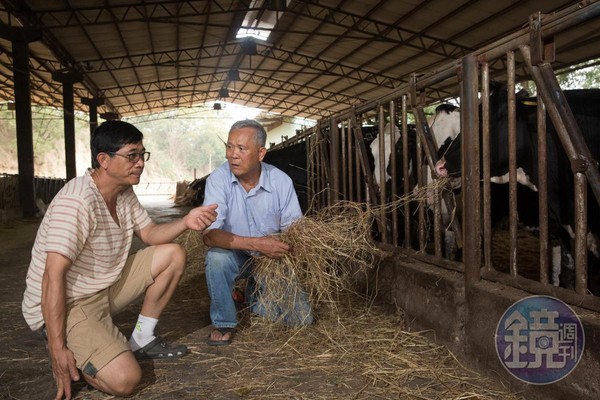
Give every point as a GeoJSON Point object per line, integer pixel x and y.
{"type": "Point", "coordinates": [340, 168]}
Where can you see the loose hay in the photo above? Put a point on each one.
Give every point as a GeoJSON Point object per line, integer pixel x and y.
{"type": "Point", "coordinates": [363, 354]}
{"type": "Point", "coordinates": [329, 249]}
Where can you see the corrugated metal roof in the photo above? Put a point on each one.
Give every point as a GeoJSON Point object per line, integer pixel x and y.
{"type": "Point", "coordinates": [320, 58]}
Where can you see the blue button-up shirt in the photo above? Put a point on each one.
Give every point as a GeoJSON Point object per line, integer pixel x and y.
{"type": "Point", "coordinates": [268, 208]}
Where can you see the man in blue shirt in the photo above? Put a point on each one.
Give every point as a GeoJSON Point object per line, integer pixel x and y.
{"type": "Point", "coordinates": [255, 202]}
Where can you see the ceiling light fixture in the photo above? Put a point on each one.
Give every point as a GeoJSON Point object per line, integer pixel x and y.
{"type": "Point", "coordinates": [233, 75]}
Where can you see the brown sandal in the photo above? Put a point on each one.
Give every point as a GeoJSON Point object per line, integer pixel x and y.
{"type": "Point", "coordinates": [223, 332]}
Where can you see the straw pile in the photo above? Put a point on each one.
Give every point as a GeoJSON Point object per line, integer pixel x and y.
{"type": "Point", "coordinates": [330, 248]}
{"type": "Point", "coordinates": [365, 354]}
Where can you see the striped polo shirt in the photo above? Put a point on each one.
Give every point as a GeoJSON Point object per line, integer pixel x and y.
{"type": "Point", "coordinates": [78, 225]}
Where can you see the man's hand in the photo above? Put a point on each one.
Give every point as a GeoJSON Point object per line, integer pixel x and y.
{"type": "Point", "coordinates": [64, 370]}
{"type": "Point", "coordinates": [272, 247]}
{"type": "Point", "coordinates": [201, 218]}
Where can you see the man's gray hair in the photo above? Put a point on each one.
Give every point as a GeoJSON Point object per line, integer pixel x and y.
{"type": "Point", "coordinates": [261, 134]}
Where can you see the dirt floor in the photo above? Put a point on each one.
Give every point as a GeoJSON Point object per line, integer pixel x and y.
{"type": "Point", "coordinates": [363, 354]}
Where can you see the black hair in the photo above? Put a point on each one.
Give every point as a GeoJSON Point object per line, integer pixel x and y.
{"type": "Point", "coordinates": [110, 136]}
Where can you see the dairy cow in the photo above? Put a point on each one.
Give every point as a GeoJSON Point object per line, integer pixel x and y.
{"type": "Point", "coordinates": [585, 105]}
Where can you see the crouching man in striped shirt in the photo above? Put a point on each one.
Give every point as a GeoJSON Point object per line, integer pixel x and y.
{"type": "Point", "coordinates": [81, 273]}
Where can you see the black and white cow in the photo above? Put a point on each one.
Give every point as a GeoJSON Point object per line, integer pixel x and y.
{"type": "Point", "coordinates": [585, 105]}
{"type": "Point", "coordinates": [412, 154]}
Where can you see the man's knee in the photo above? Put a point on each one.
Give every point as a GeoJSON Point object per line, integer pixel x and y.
{"type": "Point", "coordinates": [119, 378]}
{"type": "Point", "coordinates": [125, 384]}
{"type": "Point", "coordinates": [217, 259]}
{"type": "Point", "coordinates": [179, 254]}
{"type": "Point", "coordinates": [175, 256]}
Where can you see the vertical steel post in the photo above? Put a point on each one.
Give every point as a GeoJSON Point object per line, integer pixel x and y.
{"type": "Point", "coordinates": [543, 191]}
{"type": "Point", "coordinates": [405, 167]}
{"type": "Point", "coordinates": [485, 152]}
{"type": "Point", "coordinates": [382, 174]}
{"type": "Point", "coordinates": [344, 172]}
{"type": "Point", "coordinates": [393, 188]}
{"type": "Point", "coordinates": [334, 162]}
{"type": "Point", "coordinates": [471, 176]}
{"type": "Point", "coordinates": [512, 163]}
{"type": "Point", "coordinates": [581, 230]}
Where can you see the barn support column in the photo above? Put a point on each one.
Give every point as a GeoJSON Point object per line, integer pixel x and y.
{"type": "Point", "coordinates": [68, 79]}
{"type": "Point", "coordinates": [471, 175]}
{"type": "Point", "coordinates": [20, 38]}
{"type": "Point", "coordinates": [93, 103]}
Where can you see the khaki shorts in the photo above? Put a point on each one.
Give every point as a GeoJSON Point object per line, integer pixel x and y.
{"type": "Point", "coordinates": [91, 334]}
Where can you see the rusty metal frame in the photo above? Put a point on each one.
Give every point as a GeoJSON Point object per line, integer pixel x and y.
{"type": "Point", "coordinates": [537, 38]}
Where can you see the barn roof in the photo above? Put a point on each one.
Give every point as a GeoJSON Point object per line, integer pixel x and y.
{"type": "Point", "coordinates": [319, 56]}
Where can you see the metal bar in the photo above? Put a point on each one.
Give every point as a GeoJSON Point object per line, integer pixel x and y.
{"type": "Point", "coordinates": [543, 191]}
{"type": "Point", "coordinates": [382, 173]}
{"type": "Point", "coordinates": [344, 155]}
{"type": "Point", "coordinates": [437, 222]}
{"type": "Point", "coordinates": [318, 187]}
{"type": "Point", "coordinates": [471, 177]}
{"type": "Point", "coordinates": [421, 183]}
{"type": "Point", "coordinates": [485, 152]}
{"type": "Point", "coordinates": [324, 163]}
{"type": "Point", "coordinates": [394, 185]}
{"type": "Point", "coordinates": [581, 228]}
{"type": "Point", "coordinates": [351, 162]}
{"type": "Point", "coordinates": [334, 163]}
{"type": "Point", "coordinates": [310, 167]}
{"type": "Point", "coordinates": [512, 163]}
{"type": "Point", "coordinates": [405, 167]}
{"type": "Point", "coordinates": [359, 177]}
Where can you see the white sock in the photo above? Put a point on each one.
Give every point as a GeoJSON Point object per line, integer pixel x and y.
{"type": "Point", "coordinates": [143, 333]}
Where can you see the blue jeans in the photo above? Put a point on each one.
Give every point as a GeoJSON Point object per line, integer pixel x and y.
{"type": "Point", "coordinates": [223, 268]}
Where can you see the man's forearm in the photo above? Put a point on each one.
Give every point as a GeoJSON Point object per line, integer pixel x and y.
{"type": "Point", "coordinates": [54, 307]}
{"type": "Point", "coordinates": [164, 233]}
{"type": "Point", "coordinates": [228, 240]}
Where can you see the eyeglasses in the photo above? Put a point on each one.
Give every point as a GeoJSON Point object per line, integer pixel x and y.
{"type": "Point", "coordinates": [133, 157]}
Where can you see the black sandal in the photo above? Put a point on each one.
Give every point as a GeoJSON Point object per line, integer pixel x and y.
{"type": "Point", "coordinates": [159, 349]}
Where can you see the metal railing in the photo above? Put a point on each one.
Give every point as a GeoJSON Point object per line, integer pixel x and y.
{"type": "Point", "coordinates": [339, 168]}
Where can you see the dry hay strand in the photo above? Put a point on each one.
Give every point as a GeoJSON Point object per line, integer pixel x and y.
{"type": "Point", "coordinates": [329, 248]}
{"type": "Point", "coordinates": [362, 354]}
{"type": "Point", "coordinates": [424, 195]}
